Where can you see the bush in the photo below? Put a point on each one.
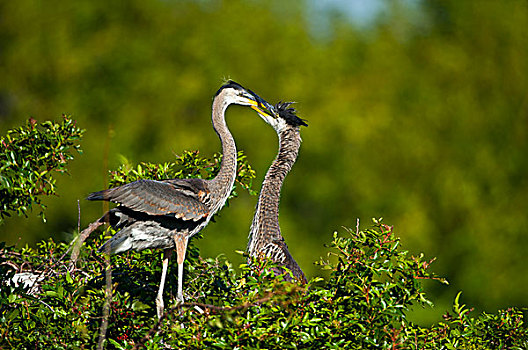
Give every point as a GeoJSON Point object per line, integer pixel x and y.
{"type": "Point", "coordinates": [29, 156]}
{"type": "Point", "coordinates": [361, 305]}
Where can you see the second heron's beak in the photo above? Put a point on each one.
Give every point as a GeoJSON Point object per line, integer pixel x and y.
{"type": "Point", "coordinates": [262, 109]}
{"type": "Point", "coordinates": [261, 106]}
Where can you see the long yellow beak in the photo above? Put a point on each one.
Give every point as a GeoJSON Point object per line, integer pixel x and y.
{"type": "Point", "coordinates": [258, 110]}
{"type": "Point", "coordinates": [256, 107]}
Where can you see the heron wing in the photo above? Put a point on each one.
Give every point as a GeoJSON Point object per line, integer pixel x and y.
{"type": "Point", "coordinates": [181, 198]}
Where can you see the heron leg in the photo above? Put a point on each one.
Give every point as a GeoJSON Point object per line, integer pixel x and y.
{"type": "Point", "coordinates": [159, 299]}
{"type": "Point", "coordinates": [180, 282]}
{"type": "Point", "coordinates": [181, 248]}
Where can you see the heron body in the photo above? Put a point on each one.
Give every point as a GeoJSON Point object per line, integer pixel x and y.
{"type": "Point", "coordinates": [265, 238]}
{"type": "Point", "coordinates": [166, 214]}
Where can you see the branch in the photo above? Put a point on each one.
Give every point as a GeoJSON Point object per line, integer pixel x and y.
{"type": "Point", "coordinates": [80, 240]}
{"type": "Point", "coordinates": [108, 300]}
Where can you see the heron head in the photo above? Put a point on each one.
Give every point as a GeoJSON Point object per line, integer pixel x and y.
{"type": "Point", "coordinates": [284, 116]}
{"type": "Point", "coordinates": [236, 93]}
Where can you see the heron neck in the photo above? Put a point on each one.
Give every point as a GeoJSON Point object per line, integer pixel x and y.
{"type": "Point", "coordinates": [225, 178]}
{"type": "Point", "coordinates": [265, 226]}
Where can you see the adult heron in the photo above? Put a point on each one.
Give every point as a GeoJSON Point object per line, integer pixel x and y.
{"type": "Point", "coordinates": [166, 214]}
{"type": "Point", "coordinates": [265, 238]}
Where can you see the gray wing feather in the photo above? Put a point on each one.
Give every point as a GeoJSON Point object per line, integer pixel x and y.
{"type": "Point", "coordinates": [179, 198]}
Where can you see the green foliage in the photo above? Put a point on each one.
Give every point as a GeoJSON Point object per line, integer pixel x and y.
{"type": "Point", "coordinates": [363, 304]}
{"type": "Point", "coordinates": [504, 330]}
{"type": "Point", "coordinates": [29, 156]}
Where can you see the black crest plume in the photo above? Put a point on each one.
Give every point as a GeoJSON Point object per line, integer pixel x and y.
{"type": "Point", "coordinates": [289, 114]}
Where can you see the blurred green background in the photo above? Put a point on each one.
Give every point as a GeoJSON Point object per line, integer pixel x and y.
{"type": "Point", "coordinates": [417, 112]}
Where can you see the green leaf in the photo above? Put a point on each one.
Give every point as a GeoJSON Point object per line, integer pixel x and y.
{"type": "Point", "coordinates": [69, 278]}
{"type": "Point", "coordinates": [139, 306]}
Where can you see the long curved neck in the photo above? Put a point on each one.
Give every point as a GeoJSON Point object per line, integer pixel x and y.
{"type": "Point", "coordinates": [222, 183]}
{"type": "Point", "coordinates": [265, 226]}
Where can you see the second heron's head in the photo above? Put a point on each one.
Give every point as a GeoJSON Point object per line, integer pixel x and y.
{"type": "Point", "coordinates": [237, 94]}
{"type": "Point", "coordinates": [284, 116]}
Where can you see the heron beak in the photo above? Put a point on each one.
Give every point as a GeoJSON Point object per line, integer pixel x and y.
{"type": "Point", "coordinates": [262, 107]}
{"type": "Point", "coordinates": [263, 111]}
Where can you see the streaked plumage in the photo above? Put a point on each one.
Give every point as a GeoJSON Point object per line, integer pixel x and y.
{"type": "Point", "coordinates": [166, 214]}
{"type": "Point", "coordinates": [265, 238]}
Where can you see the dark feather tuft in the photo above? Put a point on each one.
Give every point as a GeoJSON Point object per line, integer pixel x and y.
{"type": "Point", "coordinates": [289, 114]}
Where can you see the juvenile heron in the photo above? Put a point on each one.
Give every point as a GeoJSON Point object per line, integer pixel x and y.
{"type": "Point", "coordinates": [166, 214]}
{"type": "Point", "coordinates": [265, 238]}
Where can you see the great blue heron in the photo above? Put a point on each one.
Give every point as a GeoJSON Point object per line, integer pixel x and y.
{"type": "Point", "coordinates": [166, 214]}
{"type": "Point", "coordinates": [265, 238]}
